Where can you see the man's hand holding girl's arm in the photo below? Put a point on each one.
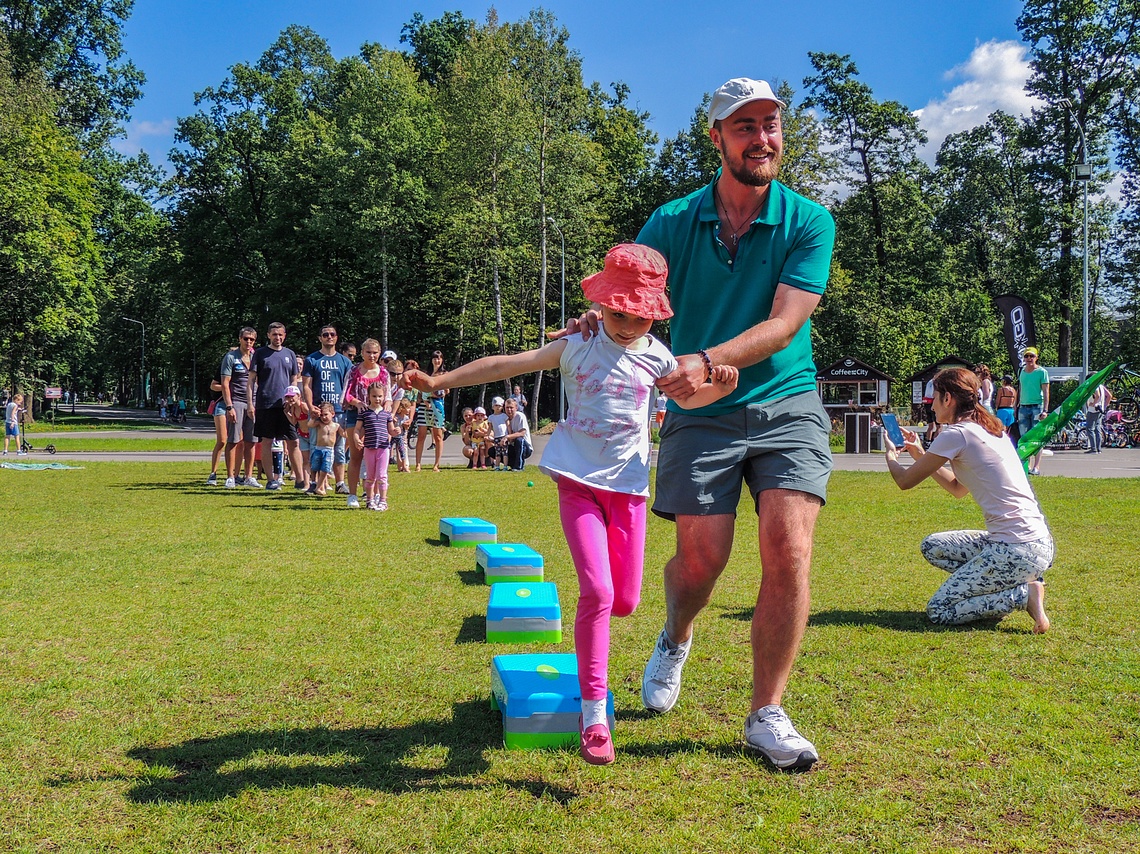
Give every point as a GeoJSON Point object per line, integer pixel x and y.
{"type": "Point", "coordinates": [724, 379]}
{"type": "Point", "coordinates": [791, 308]}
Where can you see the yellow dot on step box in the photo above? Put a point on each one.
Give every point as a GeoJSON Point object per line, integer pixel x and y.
{"type": "Point", "coordinates": [547, 671]}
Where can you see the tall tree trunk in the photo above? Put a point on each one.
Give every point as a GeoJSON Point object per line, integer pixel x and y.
{"type": "Point", "coordinates": [541, 278]}
{"type": "Point", "coordinates": [459, 347]}
{"type": "Point", "coordinates": [877, 221]}
{"type": "Point", "coordinates": [384, 286]}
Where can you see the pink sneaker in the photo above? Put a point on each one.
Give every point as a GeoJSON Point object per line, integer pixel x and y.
{"type": "Point", "coordinates": [597, 747]}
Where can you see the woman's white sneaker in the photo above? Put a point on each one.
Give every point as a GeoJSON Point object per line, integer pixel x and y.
{"type": "Point", "coordinates": [770, 732]}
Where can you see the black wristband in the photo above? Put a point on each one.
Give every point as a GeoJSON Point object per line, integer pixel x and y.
{"type": "Point", "coordinates": [708, 364]}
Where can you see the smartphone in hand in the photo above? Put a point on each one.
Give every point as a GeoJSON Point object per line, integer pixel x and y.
{"type": "Point", "coordinates": [894, 431]}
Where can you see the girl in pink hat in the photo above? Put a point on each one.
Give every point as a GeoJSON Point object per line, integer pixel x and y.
{"type": "Point", "coordinates": [599, 453]}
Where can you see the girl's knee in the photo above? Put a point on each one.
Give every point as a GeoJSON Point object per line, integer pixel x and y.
{"type": "Point", "coordinates": [595, 600]}
{"type": "Point", "coordinates": [623, 607]}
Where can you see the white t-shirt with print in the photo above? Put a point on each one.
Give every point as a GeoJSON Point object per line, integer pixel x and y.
{"type": "Point", "coordinates": [988, 466]}
{"type": "Point", "coordinates": [604, 439]}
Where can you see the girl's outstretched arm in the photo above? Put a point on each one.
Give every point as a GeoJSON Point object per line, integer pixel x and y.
{"type": "Point", "coordinates": [488, 369]}
{"type": "Point", "coordinates": [724, 380]}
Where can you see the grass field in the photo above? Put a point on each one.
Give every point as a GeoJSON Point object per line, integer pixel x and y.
{"type": "Point", "coordinates": [192, 669]}
{"type": "Point", "coordinates": [99, 444]}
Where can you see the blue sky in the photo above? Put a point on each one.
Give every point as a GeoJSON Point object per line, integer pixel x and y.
{"type": "Point", "coordinates": [956, 62]}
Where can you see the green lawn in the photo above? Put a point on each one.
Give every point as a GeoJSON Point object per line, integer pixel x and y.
{"type": "Point", "coordinates": [193, 669]}
{"type": "Point", "coordinates": [68, 423]}
{"type": "Point", "coordinates": [98, 443]}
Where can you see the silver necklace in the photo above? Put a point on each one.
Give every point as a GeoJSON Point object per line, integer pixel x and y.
{"type": "Point", "coordinates": [736, 228]}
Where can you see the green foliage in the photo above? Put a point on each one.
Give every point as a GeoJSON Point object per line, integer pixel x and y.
{"type": "Point", "coordinates": [49, 255]}
{"type": "Point", "coordinates": [75, 47]}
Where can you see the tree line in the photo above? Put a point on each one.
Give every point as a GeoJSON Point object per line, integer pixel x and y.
{"type": "Point", "coordinates": [422, 193]}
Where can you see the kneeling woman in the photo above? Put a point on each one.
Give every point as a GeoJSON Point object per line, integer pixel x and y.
{"type": "Point", "coordinates": [998, 570]}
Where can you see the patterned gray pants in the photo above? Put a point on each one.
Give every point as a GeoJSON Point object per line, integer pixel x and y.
{"type": "Point", "coordinates": [988, 579]}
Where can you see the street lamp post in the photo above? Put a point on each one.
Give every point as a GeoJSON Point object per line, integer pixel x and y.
{"type": "Point", "coordinates": [561, 381]}
{"type": "Point", "coordinates": [1082, 172]}
{"type": "Point", "coordinates": [142, 363]}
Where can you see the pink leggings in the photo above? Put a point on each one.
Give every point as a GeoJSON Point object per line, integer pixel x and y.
{"type": "Point", "coordinates": [606, 535]}
{"type": "Point", "coordinates": [376, 464]}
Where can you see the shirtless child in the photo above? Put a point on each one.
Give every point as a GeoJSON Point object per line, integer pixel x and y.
{"type": "Point", "coordinates": [323, 433]}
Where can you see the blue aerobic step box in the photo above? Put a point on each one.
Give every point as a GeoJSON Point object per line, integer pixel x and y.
{"type": "Point", "coordinates": [539, 697]}
{"type": "Point", "coordinates": [508, 562]}
{"type": "Point", "coordinates": [460, 531]}
{"type": "Point", "coordinates": [524, 613]}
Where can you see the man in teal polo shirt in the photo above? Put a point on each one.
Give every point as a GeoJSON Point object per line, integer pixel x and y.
{"type": "Point", "coordinates": [1032, 399]}
{"type": "Point", "coordinates": [748, 261]}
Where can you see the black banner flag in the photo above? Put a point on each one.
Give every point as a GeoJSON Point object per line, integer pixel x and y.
{"type": "Point", "coordinates": [1018, 323]}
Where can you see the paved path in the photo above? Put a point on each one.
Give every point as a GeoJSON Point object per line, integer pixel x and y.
{"type": "Point", "coordinates": [1114, 462]}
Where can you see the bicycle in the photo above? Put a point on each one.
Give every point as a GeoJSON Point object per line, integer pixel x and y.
{"type": "Point", "coordinates": [1073, 435]}
{"type": "Point", "coordinates": [1125, 385]}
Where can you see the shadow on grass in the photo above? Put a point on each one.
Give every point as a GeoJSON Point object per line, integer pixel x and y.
{"type": "Point", "coordinates": [471, 577]}
{"type": "Point", "coordinates": [665, 749]}
{"type": "Point", "coordinates": [430, 755]}
{"type": "Point", "coordinates": [899, 621]}
{"type": "Point", "coordinates": [473, 630]}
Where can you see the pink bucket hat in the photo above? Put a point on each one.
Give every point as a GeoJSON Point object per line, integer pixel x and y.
{"type": "Point", "coordinates": [632, 281]}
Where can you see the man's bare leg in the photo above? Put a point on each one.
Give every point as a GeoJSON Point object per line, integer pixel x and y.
{"type": "Point", "coordinates": [787, 524]}
{"type": "Point", "coordinates": [704, 544]}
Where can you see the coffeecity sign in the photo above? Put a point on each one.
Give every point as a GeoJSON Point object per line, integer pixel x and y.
{"type": "Point", "coordinates": [849, 369]}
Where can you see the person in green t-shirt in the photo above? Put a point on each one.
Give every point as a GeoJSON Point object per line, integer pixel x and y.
{"type": "Point", "coordinates": [1032, 398]}
{"type": "Point", "coordinates": [748, 262]}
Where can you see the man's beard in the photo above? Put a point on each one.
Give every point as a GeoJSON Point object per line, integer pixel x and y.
{"type": "Point", "coordinates": [754, 176]}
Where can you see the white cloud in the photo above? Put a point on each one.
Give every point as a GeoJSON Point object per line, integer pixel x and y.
{"type": "Point", "coordinates": [1115, 188]}
{"type": "Point", "coordinates": [993, 78]}
{"type": "Point", "coordinates": [160, 134]}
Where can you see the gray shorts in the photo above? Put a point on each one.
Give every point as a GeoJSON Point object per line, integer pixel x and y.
{"type": "Point", "coordinates": [777, 444]}
{"type": "Point", "coordinates": [241, 428]}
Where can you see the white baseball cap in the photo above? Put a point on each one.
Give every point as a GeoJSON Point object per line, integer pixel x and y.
{"type": "Point", "coordinates": [387, 354]}
{"type": "Point", "coordinates": [736, 93]}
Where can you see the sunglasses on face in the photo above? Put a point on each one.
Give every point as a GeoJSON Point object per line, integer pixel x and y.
{"type": "Point", "coordinates": [328, 335]}
{"type": "Point", "coordinates": [251, 340]}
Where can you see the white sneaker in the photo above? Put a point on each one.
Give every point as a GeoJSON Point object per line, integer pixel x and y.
{"type": "Point", "coordinates": [769, 731]}
{"type": "Point", "coordinates": [354, 502]}
{"type": "Point", "coordinates": [230, 483]}
{"type": "Point", "coordinates": [251, 482]}
{"type": "Point", "coordinates": [212, 480]}
{"type": "Point", "coordinates": [661, 684]}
